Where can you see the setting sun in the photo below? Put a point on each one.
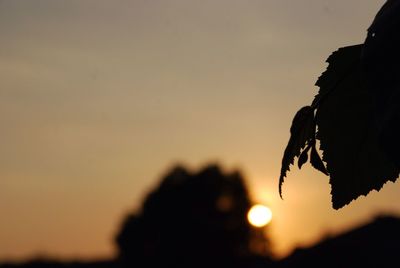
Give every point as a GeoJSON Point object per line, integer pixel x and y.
{"type": "Point", "coordinates": [259, 215]}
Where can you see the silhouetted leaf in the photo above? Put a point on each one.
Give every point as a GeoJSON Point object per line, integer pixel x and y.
{"type": "Point", "coordinates": [303, 156]}
{"type": "Point", "coordinates": [301, 131]}
{"type": "Point", "coordinates": [381, 57]}
{"type": "Point", "coordinates": [347, 132]}
{"type": "Point", "coordinates": [357, 114]}
{"type": "Point", "coordinates": [330, 79]}
{"type": "Point", "coordinates": [316, 161]}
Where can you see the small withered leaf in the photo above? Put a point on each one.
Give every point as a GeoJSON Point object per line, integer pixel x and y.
{"type": "Point", "coordinates": [303, 156]}
{"type": "Point", "coordinates": [301, 131]}
{"type": "Point", "coordinates": [316, 161]}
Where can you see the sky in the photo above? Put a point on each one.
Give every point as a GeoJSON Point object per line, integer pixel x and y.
{"type": "Point", "coordinates": [99, 98]}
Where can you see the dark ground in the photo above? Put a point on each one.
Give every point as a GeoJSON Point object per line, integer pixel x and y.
{"type": "Point", "coordinates": [375, 244]}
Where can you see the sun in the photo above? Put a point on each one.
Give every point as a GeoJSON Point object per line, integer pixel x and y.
{"type": "Point", "coordinates": [259, 215]}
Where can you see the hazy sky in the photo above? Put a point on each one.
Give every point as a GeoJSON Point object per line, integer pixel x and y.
{"type": "Point", "coordinates": [99, 98]}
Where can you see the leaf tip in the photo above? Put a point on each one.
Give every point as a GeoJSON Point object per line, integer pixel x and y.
{"type": "Point", "coordinates": [281, 179]}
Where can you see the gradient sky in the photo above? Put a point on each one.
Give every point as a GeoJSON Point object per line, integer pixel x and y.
{"type": "Point", "coordinates": [99, 98]}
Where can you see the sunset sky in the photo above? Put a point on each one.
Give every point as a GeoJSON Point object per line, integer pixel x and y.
{"type": "Point", "coordinates": [99, 98]}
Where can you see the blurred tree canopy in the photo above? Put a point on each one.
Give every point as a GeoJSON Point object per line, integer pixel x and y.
{"type": "Point", "coordinates": [192, 219]}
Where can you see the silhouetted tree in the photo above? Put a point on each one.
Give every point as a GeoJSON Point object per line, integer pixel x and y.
{"type": "Point", "coordinates": [193, 219]}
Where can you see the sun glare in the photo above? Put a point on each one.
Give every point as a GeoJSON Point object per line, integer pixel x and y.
{"type": "Point", "coordinates": [259, 215]}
